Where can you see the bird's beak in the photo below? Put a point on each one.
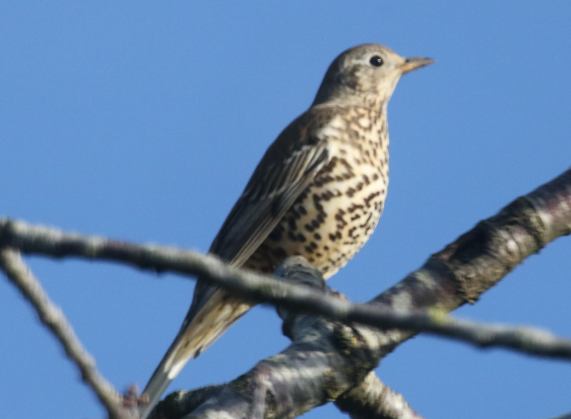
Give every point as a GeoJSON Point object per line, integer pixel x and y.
{"type": "Point", "coordinates": [413, 63]}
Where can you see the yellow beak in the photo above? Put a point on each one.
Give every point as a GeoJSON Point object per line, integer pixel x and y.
{"type": "Point", "coordinates": [413, 63]}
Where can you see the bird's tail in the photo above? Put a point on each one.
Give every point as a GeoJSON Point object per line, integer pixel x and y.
{"type": "Point", "coordinates": [196, 334]}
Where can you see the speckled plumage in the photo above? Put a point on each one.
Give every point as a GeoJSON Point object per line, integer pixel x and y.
{"type": "Point", "coordinates": [336, 214]}
{"type": "Point", "coordinates": [318, 192]}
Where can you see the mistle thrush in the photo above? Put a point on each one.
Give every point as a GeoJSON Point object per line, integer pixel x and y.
{"type": "Point", "coordinates": [318, 192]}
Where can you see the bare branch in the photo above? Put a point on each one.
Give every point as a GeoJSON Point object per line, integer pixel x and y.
{"type": "Point", "coordinates": [368, 398]}
{"type": "Point", "coordinates": [328, 360]}
{"type": "Point", "coordinates": [54, 319]}
{"type": "Point", "coordinates": [478, 259]}
{"type": "Point", "coordinates": [456, 275]}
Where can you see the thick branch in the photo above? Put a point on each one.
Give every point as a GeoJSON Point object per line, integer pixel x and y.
{"type": "Point", "coordinates": [328, 360]}
{"type": "Point", "coordinates": [54, 319]}
{"type": "Point", "coordinates": [480, 258]}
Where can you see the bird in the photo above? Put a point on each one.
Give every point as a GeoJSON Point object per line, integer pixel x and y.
{"type": "Point", "coordinates": [318, 192]}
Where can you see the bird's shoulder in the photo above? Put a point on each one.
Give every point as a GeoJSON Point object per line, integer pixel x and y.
{"type": "Point", "coordinates": [307, 130]}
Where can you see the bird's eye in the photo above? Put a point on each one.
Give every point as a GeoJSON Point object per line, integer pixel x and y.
{"type": "Point", "coordinates": [376, 61]}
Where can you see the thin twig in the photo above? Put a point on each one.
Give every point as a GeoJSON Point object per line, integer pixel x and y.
{"type": "Point", "coordinates": [266, 289]}
{"type": "Point", "coordinates": [54, 319]}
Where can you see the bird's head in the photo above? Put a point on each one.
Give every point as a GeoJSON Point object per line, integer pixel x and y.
{"type": "Point", "coordinates": [369, 71]}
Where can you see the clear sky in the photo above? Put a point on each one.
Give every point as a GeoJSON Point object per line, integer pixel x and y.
{"type": "Point", "coordinates": [143, 121]}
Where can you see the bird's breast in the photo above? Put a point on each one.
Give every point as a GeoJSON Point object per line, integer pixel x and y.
{"type": "Point", "coordinates": [334, 217]}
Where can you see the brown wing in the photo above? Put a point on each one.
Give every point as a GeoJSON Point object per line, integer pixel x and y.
{"type": "Point", "coordinates": [261, 206]}
{"type": "Point", "coordinates": [287, 168]}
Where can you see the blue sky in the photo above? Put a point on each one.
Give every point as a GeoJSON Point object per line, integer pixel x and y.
{"type": "Point", "coordinates": [143, 121]}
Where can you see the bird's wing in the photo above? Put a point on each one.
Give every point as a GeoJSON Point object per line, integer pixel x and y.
{"type": "Point", "coordinates": [286, 169]}
{"type": "Point", "coordinates": [264, 203]}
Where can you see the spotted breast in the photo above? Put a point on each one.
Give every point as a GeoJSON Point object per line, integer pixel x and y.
{"type": "Point", "coordinates": [334, 217]}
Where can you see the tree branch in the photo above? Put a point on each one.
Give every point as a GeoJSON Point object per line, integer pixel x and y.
{"type": "Point", "coordinates": [460, 273]}
{"type": "Point", "coordinates": [327, 360]}
{"type": "Point", "coordinates": [480, 258]}
{"type": "Point", "coordinates": [54, 319]}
